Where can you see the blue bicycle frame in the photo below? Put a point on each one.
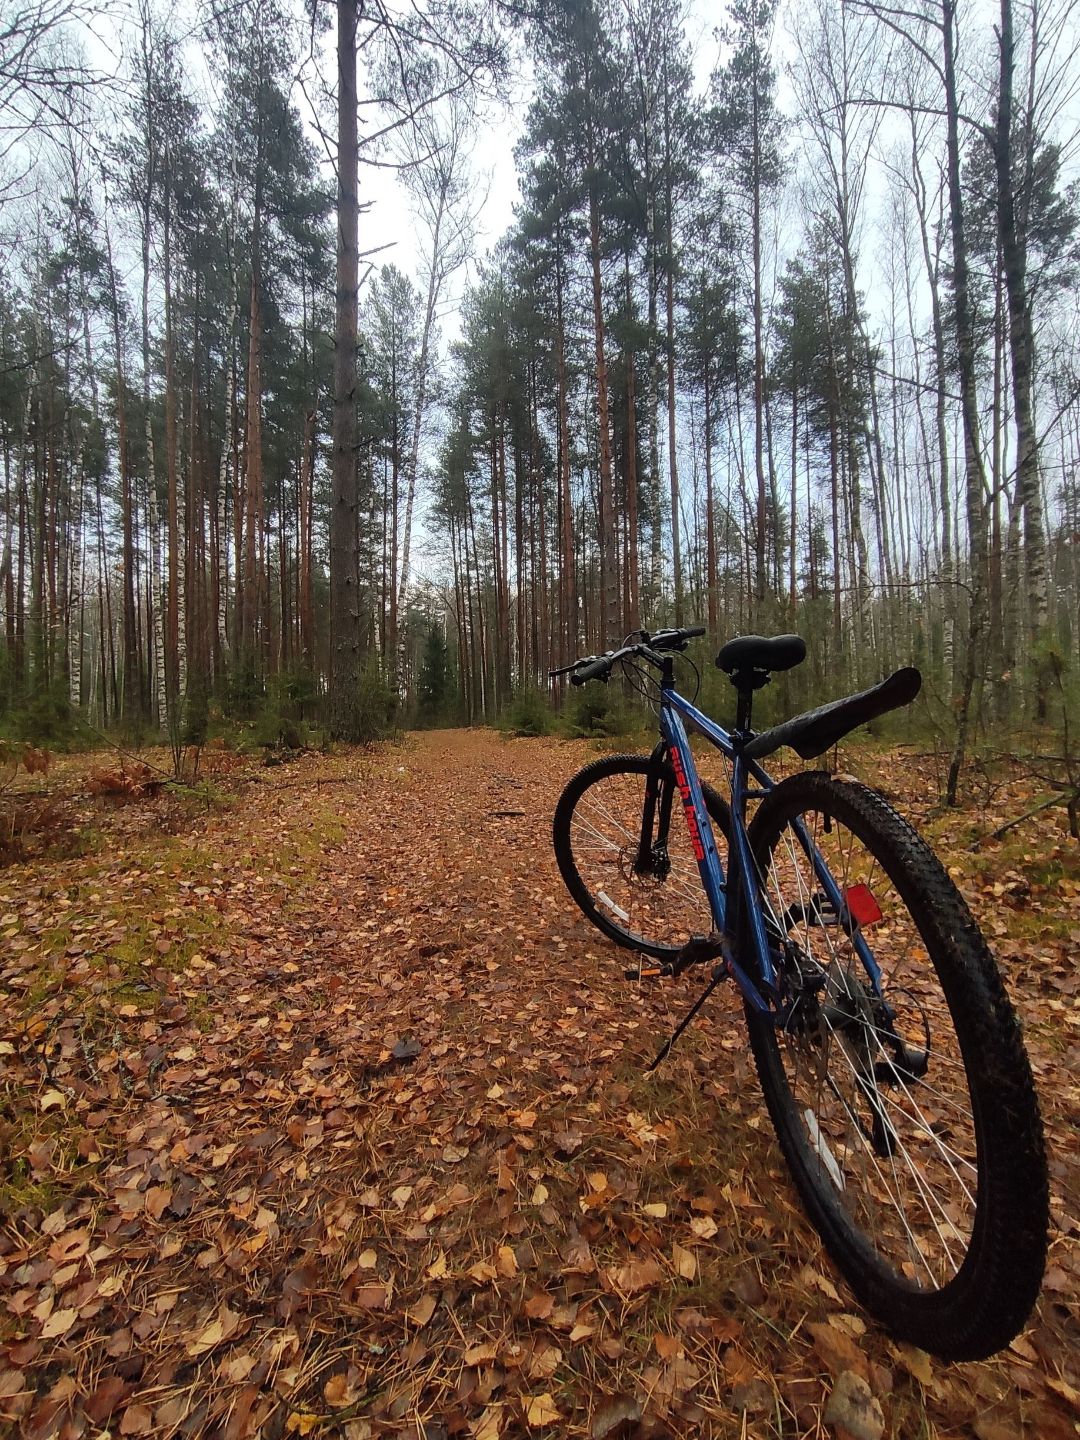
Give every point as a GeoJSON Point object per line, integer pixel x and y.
{"type": "Point", "coordinates": [748, 780]}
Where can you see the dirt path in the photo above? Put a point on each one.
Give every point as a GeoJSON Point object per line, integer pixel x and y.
{"type": "Point", "coordinates": [327, 1116]}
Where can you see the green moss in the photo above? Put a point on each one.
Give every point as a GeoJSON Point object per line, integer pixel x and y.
{"type": "Point", "coordinates": [19, 1190]}
{"type": "Point", "coordinates": [198, 1013]}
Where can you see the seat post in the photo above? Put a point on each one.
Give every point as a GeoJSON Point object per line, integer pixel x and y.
{"type": "Point", "coordinates": [744, 708]}
{"type": "Point", "coordinates": [746, 681]}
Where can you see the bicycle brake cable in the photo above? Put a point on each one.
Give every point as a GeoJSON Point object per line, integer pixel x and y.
{"type": "Point", "coordinates": [697, 676]}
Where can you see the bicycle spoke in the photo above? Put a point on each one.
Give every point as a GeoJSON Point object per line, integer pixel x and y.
{"type": "Point", "coordinates": [664, 905]}
{"type": "Point", "coordinates": [925, 1180]}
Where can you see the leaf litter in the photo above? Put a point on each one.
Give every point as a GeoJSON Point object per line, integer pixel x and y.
{"type": "Point", "coordinates": [327, 1115]}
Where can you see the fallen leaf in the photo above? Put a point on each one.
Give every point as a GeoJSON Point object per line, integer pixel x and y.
{"type": "Point", "coordinates": [685, 1261]}
{"type": "Point", "coordinates": [541, 1410]}
{"type": "Point", "coordinates": [837, 1349]}
{"type": "Point", "coordinates": [438, 1267]}
{"type": "Point", "coordinates": [136, 1420]}
{"type": "Point", "coordinates": [986, 1427]}
{"type": "Point", "coordinates": [339, 1392]}
{"type": "Point", "coordinates": [422, 1311]}
{"type": "Point", "coordinates": [567, 1141]}
{"type": "Point", "coordinates": [489, 1425]}
{"type": "Point", "coordinates": [755, 1397]}
{"type": "Point", "coordinates": [104, 1399]}
{"type": "Point", "coordinates": [371, 1297]}
{"type": "Point", "coordinates": [55, 1222]}
{"type": "Point", "coordinates": [614, 1416]}
{"type": "Point", "coordinates": [256, 1243]}
{"type": "Point", "coordinates": [58, 1323]}
{"type": "Point", "coordinates": [1066, 1391]}
{"type": "Point", "coordinates": [222, 1327]}
{"type": "Point", "coordinates": [916, 1362]}
{"type": "Point", "coordinates": [11, 1384]}
{"type": "Point", "coordinates": [545, 1362]}
{"type": "Point", "coordinates": [637, 1275]}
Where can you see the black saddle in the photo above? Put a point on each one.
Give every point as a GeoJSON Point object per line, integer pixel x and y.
{"type": "Point", "coordinates": [754, 652]}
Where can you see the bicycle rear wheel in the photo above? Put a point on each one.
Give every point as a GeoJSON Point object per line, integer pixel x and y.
{"type": "Point", "coordinates": [597, 833]}
{"type": "Point", "coordinates": [905, 1110]}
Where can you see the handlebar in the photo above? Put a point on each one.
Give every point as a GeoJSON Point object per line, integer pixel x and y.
{"type": "Point", "coordinates": [599, 667]}
{"type": "Point", "coordinates": [673, 639]}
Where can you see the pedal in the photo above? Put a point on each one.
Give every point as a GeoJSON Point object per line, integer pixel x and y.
{"type": "Point", "coordinates": [648, 972]}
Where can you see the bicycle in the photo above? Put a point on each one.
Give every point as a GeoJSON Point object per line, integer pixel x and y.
{"type": "Point", "coordinates": [890, 1057]}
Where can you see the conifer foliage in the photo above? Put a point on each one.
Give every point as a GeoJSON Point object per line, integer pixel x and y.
{"type": "Point", "coordinates": [779, 338]}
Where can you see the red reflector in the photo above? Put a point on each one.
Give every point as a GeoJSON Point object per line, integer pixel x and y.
{"type": "Point", "coordinates": [862, 907]}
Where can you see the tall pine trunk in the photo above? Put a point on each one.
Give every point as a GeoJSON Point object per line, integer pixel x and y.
{"type": "Point", "coordinates": [1021, 341]}
{"type": "Point", "coordinates": [965, 349]}
{"type": "Point", "coordinates": [345, 628]}
{"type": "Point", "coordinates": [609, 577]}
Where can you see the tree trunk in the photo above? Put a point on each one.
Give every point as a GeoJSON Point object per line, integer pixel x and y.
{"type": "Point", "coordinates": [345, 715]}
{"type": "Point", "coordinates": [710, 519]}
{"type": "Point", "coordinates": [1013, 243]}
{"type": "Point", "coordinates": [759, 351]}
{"type": "Point", "coordinates": [172, 637]}
{"type": "Point", "coordinates": [132, 691]}
{"type": "Point", "coordinates": [965, 346]}
{"type": "Point", "coordinates": [673, 469]}
{"type": "Point", "coordinates": [609, 581]}
{"type": "Point", "coordinates": [633, 605]}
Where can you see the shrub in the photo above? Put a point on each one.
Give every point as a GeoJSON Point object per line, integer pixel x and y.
{"type": "Point", "coordinates": [378, 702]}
{"type": "Point", "coordinates": [281, 719]}
{"type": "Point", "coordinates": [529, 714]}
{"type": "Point", "coordinates": [598, 711]}
{"type": "Point", "coordinates": [46, 714]}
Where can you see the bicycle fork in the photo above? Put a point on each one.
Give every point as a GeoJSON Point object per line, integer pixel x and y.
{"type": "Point", "coordinates": [652, 856]}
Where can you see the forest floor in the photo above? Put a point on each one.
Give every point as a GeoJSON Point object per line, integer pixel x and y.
{"type": "Point", "coordinates": [230, 1207]}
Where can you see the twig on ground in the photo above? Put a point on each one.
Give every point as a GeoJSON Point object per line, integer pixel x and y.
{"type": "Point", "coordinates": [1065, 797]}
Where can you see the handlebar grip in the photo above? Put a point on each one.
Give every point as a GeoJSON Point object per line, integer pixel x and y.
{"type": "Point", "coordinates": [596, 669]}
{"type": "Point", "coordinates": [694, 631]}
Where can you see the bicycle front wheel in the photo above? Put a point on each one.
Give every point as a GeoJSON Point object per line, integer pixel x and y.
{"type": "Point", "coordinates": [898, 1083]}
{"type": "Point", "coordinates": [653, 909]}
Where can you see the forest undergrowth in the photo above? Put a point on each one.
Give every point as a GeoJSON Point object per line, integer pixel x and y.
{"type": "Point", "coordinates": [323, 1112]}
